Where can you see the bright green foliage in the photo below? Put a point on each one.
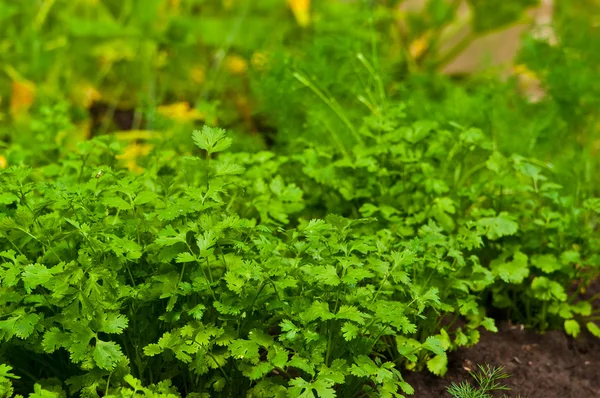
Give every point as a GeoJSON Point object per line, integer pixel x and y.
{"type": "Point", "coordinates": [203, 277]}
{"type": "Point", "coordinates": [393, 207]}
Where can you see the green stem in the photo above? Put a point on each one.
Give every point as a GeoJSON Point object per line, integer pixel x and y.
{"type": "Point", "coordinates": [331, 102]}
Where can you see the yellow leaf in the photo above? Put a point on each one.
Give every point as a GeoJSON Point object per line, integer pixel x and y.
{"type": "Point", "coordinates": [84, 130]}
{"type": "Point", "coordinates": [84, 95]}
{"type": "Point", "coordinates": [301, 11]}
{"type": "Point", "coordinates": [529, 83]}
{"type": "Point", "coordinates": [113, 51]}
{"type": "Point", "coordinates": [174, 5]}
{"type": "Point", "coordinates": [132, 135]}
{"type": "Point", "coordinates": [180, 111]}
{"type": "Point", "coordinates": [132, 153]}
{"type": "Point", "coordinates": [523, 70]}
{"type": "Point", "coordinates": [43, 13]}
{"type": "Point", "coordinates": [595, 147]}
{"type": "Point", "coordinates": [259, 60]}
{"type": "Point", "coordinates": [197, 74]}
{"type": "Point", "coordinates": [22, 96]}
{"type": "Point", "coordinates": [418, 47]}
{"type": "Point", "coordinates": [161, 59]}
{"type": "Point", "coordinates": [235, 64]}
{"type": "Point", "coordinates": [3, 162]}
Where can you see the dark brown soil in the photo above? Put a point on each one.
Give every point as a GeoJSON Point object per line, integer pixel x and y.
{"type": "Point", "coordinates": [550, 365]}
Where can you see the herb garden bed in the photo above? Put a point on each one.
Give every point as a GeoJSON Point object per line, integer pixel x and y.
{"type": "Point", "coordinates": [292, 199]}
{"type": "Point", "coordinates": [551, 365]}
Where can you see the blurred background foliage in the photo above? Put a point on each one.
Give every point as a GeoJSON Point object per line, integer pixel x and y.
{"type": "Point", "coordinates": [278, 72]}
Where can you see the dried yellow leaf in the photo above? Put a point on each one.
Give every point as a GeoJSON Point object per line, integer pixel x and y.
{"type": "Point", "coordinates": [114, 51]}
{"type": "Point", "coordinates": [132, 135]}
{"type": "Point", "coordinates": [180, 111]}
{"type": "Point", "coordinates": [197, 74]}
{"type": "Point", "coordinates": [529, 83]}
{"type": "Point", "coordinates": [301, 11]}
{"type": "Point", "coordinates": [418, 47]}
{"type": "Point", "coordinates": [133, 152]}
{"type": "Point", "coordinates": [22, 97]}
{"type": "Point", "coordinates": [161, 59]}
{"type": "Point", "coordinates": [236, 65]}
{"type": "Point", "coordinates": [259, 60]}
{"type": "Point", "coordinates": [85, 95]}
{"type": "Point", "coordinates": [84, 129]}
{"type": "Point", "coordinates": [523, 70]}
{"type": "Point", "coordinates": [175, 5]}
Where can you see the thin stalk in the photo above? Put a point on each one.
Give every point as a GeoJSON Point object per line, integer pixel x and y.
{"type": "Point", "coordinates": [331, 102]}
{"type": "Point", "coordinates": [374, 75]}
{"type": "Point", "coordinates": [107, 384]}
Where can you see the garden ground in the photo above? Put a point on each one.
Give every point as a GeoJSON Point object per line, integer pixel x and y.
{"type": "Point", "coordinates": [550, 365]}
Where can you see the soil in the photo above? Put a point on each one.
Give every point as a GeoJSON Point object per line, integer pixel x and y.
{"type": "Point", "coordinates": [549, 365]}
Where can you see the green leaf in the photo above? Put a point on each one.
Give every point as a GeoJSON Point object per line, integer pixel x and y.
{"type": "Point", "coordinates": [133, 382]}
{"type": "Point", "coordinates": [185, 258]}
{"type": "Point", "coordinates": [350, 331]}
{"type": "Point", "coordinates": [434, 345]}
{"type": "Point", "coordinates": [244, 349]}
{"type": "Point", "coordinates": [317, 310]}
{"type": "Point", "coordinates": [25, 325]}
{"type": "Point", "coordinates": [169, 237]}
{"type": "Point", "coordinates": [55, 339]}
{"type": "Point", "coordinates": [145, 197]}
{"type": "Point", "coordinates": [35, 275]}
{"type": "Point", "coordinates": [152, 350]}
{"type": "Point", "coordinates": [261, 338]}
{"type": "Point", "coordinates": [207, 240]}
{"type": "Point", "coordinates": [324, 388]}
{"type": "Point", "coordinates": [256, 372]}
{"type": "Point", "coordinates": [572, 327]}
{"type": "Point", "coordinates": [408, 347]}
{"type": "Point", "coordinates": [223, 169]}
{"type": "Point", "coordinates": [570, 257]}
{"type": "Point", "coordinates": [406, 388]}
{"type": "Point", "coordinates": [545, 289]}
{"type": "Point", "coordinates": [336, 373]}
{"type": "Point", "coordinates": [496, 162]}
{"type": "Point", "coordinates": [351, 313]}
{"type": "Point", "coordinates": [302, 363]}
{"type": "Point", "coordinates": [546, 262]}
{"type": "Point", "coordinates": [514, 271]}
{"type": "Point", "coordinates": [593, 329]}
{"type": "Point", "coordinates": [278, 357]}
{"type": "Point", "coordinates": [107, 354]}
{"type": "Point", "coordinates": [592, 204]}
{"type": "Point", "coordinates": [438, 365]}
{"type": "Point", "coordinates": [114, 323]}
{"type": "Point", "coordinates": [5, 371]}
{"type": "Point", "coordinates": [489, 324]}
{"type": "Point", "coordinates": [363, 367]}
{"type": "Point", "coordinates": [328, 276]}
{"type": "Point", "coordinates": [116, 202]}
{"type": "Point", "coordinates": [499, 226]}
{"type": "Point", "coordinates": [304, 389]}
{"type": "Point", "coordinates": [583, 308]}
{"type": "Point", "coordinates": [420, 129]}
{"type": "Point", "coordinates": [211, 139]}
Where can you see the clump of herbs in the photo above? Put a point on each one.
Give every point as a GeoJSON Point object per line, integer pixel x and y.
{"type": "Point", "coordinates": [488, 379]}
